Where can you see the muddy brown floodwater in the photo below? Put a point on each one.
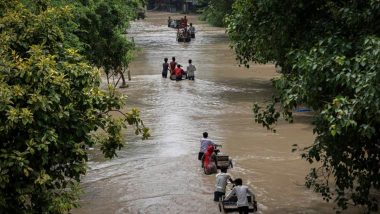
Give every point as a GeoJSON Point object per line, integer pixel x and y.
{"type": "Point", "coordinates": [162, 174]}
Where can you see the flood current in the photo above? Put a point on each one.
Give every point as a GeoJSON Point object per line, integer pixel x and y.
{"type": "Point", "coordinates": [162, 174]}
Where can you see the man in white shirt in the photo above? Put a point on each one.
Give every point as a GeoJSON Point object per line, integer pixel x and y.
{"type": "Point", "coordinates": [190, 70]}
{"type": "Point", "coordinates": [192, 31]}
{"type": "Point", "coordinates": [241, 191]}
{"type": "Point", "coordinates": [205, 142]}
{"type": "Point", "coordinates": [221, 183]}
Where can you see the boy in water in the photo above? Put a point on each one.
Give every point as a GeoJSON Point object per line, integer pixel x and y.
{"type": "Point", "coordinates": [192, 30]}
{"type": "Point", "coordinates": [190, 70]}
{"type": "Point", "coordinates": [173, 65]}
{"type": "Point", "coordinates": [185, 21]}
{"type": "Point", "coordinates": [205, 142]}
{"type": "Point", "coordinates": [169, 21]}
{"type": "Point", "coordinates": [178, 73]}
{"type": "Point", "coordinates": [241, 191]}
{"type": "Point", "coordinates": [165, 68]}
{"type": "Point", "coordinates": [221, 183]}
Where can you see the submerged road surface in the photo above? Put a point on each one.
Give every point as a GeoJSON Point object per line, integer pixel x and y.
{"type": "Point", "coordinates": [162, 174]}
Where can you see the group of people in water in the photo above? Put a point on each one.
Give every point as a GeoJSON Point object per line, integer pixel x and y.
{"type": "Point", "coordinates": [182, 27]}
{"type": "Point", "coordinates": [176, 71]}
{"type": "Point", "coordinates": [208, 158]}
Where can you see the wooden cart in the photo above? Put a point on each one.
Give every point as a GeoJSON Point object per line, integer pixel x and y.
{"type": "Point", "coordinates": [227, 206]}
{"type": "Point", "coordinates": [223, 161]}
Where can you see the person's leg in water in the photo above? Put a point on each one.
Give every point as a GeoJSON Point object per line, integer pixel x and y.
{"type": "Point", "coordinates": [218, 195]}
{"type": "Point", "coordinates": [200, 155]}
{"type": "Point", "coordinates": [243, 210]}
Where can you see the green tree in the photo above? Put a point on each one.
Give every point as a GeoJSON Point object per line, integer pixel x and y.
{"type": "Point", "coordinates": [329, 52]}
{"type": "Point", "coordinates": [216, 11]}
{"type": "Point", "coordinates": [51, 107]}
{"type": "Point", "coordinates": [101, 27]}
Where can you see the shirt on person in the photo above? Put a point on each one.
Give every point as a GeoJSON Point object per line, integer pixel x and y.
{"type": "Point", "coordinates": [172, 66]}
{"type": "Point", "coordinates": [178, 72]}
{"type": "Point", "coordinates": [221, 181]}
{"type": "Point", "coordinates": [205, 142]}
{"type": "Point", "coordinates": [190, 70]}
{"type": "Point", "coordinates": [165, 67]}
{"type": "Point", "coordinates": [191, 29]}
{"type": "Point", "coordinates": [241, 192]}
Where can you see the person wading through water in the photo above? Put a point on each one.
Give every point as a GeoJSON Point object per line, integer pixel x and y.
{"type": "Point", "coordinates": [173, 65]}
{"type": "Point", "coordinates": [241, 191]}
{"type": "Point", "coordinates": [178, 72]}
{"type": "Point", "coordinates": [190, 70]}
{"type": "Point", "coordinates": [221, 183]}
{"type": "Point", "coordinates": [205, 142]}
{"type": "Point", "coordinates": [165, 68]}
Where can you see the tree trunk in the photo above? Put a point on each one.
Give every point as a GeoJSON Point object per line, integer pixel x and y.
{"type": "Point", "coordinates": [123, 84]}
{"type": "Point", "coordinates": [129, 74]}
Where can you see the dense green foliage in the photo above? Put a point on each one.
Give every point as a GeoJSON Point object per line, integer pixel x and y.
{"type": "Point", "coordinates": [216, 10]}
{"type": "Point", "coordinates": [51, 107]}
{"type": "Point", "coordinates": [102, 24]}
{"type": "Point", "coordinates": [329, 52]}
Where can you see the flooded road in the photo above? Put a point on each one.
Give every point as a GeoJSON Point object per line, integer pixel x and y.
{"type": "Point", "coordinates": [162, 174]}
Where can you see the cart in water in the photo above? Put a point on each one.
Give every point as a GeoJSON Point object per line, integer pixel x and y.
{"type": "Point", "coordinates": [228, 206]}
{"type": "Point", "coordinates": [183, 35]}
{"type": "Point", "coordinates": [223, 161]}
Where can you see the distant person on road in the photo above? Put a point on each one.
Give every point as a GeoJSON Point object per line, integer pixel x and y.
{"type": "Point", "coordinates": [165, 68]}
{"type": "Point", "coordinates": [205, 142]}
{"type": "Point", "coordinates": [190, 70]}
{"type": "Point", "coordinates": [178, 73]}
{"type": "Point", "coordinates": [241, 191]}
{"type": "Point", "coordinates": [221, 182]}
{"type": "Point", "coordinates": [169, 21]}
{"type": "Point", "coordinates": [209, 161]}
{"type": "Point", "coordinates": [185, 21]}
{"type": "Point", "coordinates": [192, 30]}
{"type": "Point", "coordinates": [173, 65]}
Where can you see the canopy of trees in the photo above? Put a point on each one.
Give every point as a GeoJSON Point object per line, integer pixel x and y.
{"type": "Point", "coordinates": [51, 105]}
{"type": "Point", "coordinates": [329, 52]}
{"type": "Point", "coordinates": [216, 10]}
{"type": "Point", "coordinates": [101, 28]}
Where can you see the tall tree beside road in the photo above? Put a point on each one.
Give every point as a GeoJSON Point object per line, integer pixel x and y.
{"type": "Point", "coordinates": [216, 10]}
{"type": "Point", "coordinates": [329, 52]}
{"type": "Point", "coordinates": [51, 108]}
{"type": "Point", "coordinates": [101, 27]}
